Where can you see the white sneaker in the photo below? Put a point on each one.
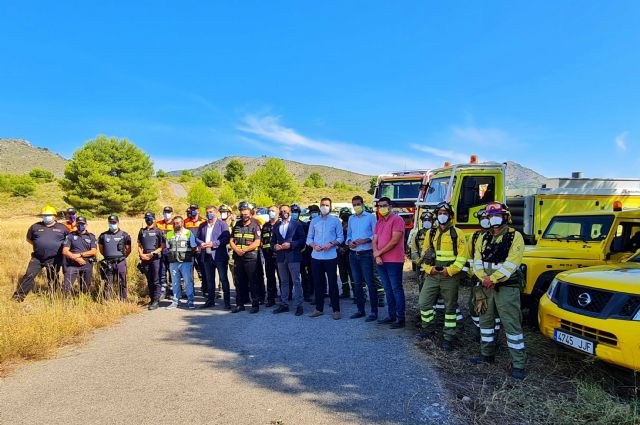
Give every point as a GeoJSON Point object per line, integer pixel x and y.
{"type": "Point", "coordinates": [171, 306]}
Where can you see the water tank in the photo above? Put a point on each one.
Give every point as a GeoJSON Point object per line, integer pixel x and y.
{"type": "Point", "coordinates": [577, 175]}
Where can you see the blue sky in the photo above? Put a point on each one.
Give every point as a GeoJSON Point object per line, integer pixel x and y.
{"type": "Point", "coordinates": [365, 85]}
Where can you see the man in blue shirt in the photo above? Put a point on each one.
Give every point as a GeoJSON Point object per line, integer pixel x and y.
{"type": "Point", "coordinates": [359, 237]}
{"type": "Point", "coordinates": [325, 234]}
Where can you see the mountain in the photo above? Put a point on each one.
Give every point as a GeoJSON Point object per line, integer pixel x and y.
{"type": "Point", "coordinates": [520, 177]}
{"type": "Point", "coordinates": [299, 170]}
{"type": "Point", "coordinates": [17, 156]}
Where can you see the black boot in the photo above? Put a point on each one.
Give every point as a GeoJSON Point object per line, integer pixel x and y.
{"type": "Point", "coordinates": [517, 373]}
{"type": "Point", "coordinates": [483, 359]}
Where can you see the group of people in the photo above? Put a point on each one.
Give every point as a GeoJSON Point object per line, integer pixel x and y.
{"type": "Point", "coordinates": [301, 260]}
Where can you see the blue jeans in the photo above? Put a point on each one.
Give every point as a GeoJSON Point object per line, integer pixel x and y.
{"type": "Point", "coordinates": [362, 270]}
{"type": "Point", "coordinates": [184, 271]}
{"type": "Point", "coordinates": [391, 278]}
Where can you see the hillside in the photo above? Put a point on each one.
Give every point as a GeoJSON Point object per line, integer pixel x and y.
{"type": "Point", "coordinates": [519, 177]}
{"type": "Point", "coordinates": [17, 156]}
{"type": "Point", "coordinates": [299, 170]}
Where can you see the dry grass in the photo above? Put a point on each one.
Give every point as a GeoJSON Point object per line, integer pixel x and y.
{"type": "Point", "coordinates": [35, 328]}
{"type": "Point", "coordinates": [561, 387]}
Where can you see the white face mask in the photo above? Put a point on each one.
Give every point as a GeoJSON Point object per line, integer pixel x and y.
{"type": "Point", "coordinates": [496, 221]}
{"type": "Point", "coordinates": [324, 210]}
{"type": "Point", "coordinates": [484, 223]}
{"type": "Point", "coordinates": [426, 225]}
{"type": "Point", "coordinates": [443, 218]}
{"type": "Point", "coordinates": [224, 215]}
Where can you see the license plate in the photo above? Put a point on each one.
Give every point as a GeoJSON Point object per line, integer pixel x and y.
{"type": "Point", "coordinates": [574, 342]}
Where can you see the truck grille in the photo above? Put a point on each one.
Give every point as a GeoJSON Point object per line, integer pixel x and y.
{"type": "Point", "coordinates": [597, 300]}
{"type": "Point", "coordinates": [601, 337]}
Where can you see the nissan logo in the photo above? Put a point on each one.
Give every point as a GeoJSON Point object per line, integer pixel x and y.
{"type": "Point", "coordinates": [584, 299]}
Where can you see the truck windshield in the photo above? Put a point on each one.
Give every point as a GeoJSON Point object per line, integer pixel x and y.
{"type": "Point", "coordinates": [588, 228]}
{"type": "Point", "coordinates": [400, 189]}
{"type": "Point", "coordinates": [437, 190]}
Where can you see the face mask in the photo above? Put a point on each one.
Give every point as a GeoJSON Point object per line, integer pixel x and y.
{"type": "Point", "coordinates": [148, 220]}
{"type": "Point", "coordinates": [81, 227]}
{"type": "Point", "coordinates": [384, 211]}
{"type": "Point", "coordinates": [224, 215]}
{"type": "Point", "coordinates": [48, 219]}
{"type": "Point", "coordinates": [295, 216]}
{"type": "Point", "coordinates": [484, 223]}
{"type": "Point", "coordinates": [246, 217]}
{"type": "Point", "coordinates": [194, 213]}
{"type": "Point", "coordinates": [496, 221]}
{"type": "Point", "coordinates": [313, 215]}
{"type": "Point", "coordinates": [443, 218]}
{"type": "Point", "coordinates": [210, 216]}
{"type": "Point", "coordinates": [272, 215]}
{"type": "Point", "coordinates": [72, 218]}
{"type": "Point", "coordinates": [426, 225]}
{"type": "Point", "coordinates": [284, 215]}
{"type": "Point", "coordinates": [324, 210]}
{"type": "Point", "coordinates": [177, 227]}
{"type": "Point", "coordinates": [358, 209]}
{"type": "Point", "coordinates": [113, 226]}
{"type": "Point", "coordinates": [167, 215]}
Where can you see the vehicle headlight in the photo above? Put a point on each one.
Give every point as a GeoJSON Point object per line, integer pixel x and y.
{"type": "Point", "coordinates": [551, 292]}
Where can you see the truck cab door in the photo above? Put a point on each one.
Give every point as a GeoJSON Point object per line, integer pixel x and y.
{"type": "Point", "coordinates": [625, 241]}
{"type": "Point", "coordinates": [473, 193]}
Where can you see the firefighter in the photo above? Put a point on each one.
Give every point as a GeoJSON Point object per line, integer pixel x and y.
{"type": "Point", "coordinates": [46, 237]}
{"type": "Point", "coordinates": [79, 249]}
{"type": "Point", "coordinates": [192, 222]}
{"type": "Point", "coordinates": [151, 244]}
{"type": "Point", "coordinates": [165, 225]}
{"type": "Point", "coordinates": [344, 267]}
{"type": "Point", "coordinates": [496, 263]}
{"type": "Point", "coordinates": [245, 242]}
{"type": "Point", "coordinates": [115, 247]}
{"type": "Point", "coordinates": [426, 218]}
{"type": "Point", "coordinates": [70, 216]}
{"type": "Point", "coordinates": [269, 254]}
{"type": "Point", "coordinates": [305, 267]}
{"type": "Point", "coordinates": [444, 256]}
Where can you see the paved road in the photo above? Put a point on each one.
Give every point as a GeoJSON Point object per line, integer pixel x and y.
{"type": "Point", "coordinates": [210, 366]}
{"type": "Point", "coordinates": [178, 190]}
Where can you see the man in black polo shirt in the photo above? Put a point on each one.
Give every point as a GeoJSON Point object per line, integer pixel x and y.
{"type": "Point", "coordinates": [115, 246]}
{"type": "Point", "coordinates": [46, 237]}
{"type": "Point", "coordinates": [245, 241]}
{"type": "Point", "coordinates": [151, 243]}
{"type": "Point", "coordinates": [79, 250]}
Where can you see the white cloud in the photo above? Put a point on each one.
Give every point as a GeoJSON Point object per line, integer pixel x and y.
{"type": "Point", "coordinates": [482, 136]}
{"type": "Point", "coordinates": [621, 140]}
{"type": "Point", "coordinates": [290, 144]}
{"type": "Point", "coordinates": [442, 153]}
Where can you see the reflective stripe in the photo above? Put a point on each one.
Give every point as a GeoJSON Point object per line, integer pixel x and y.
{"type": "Point", "coordinates": [510, 265]}
{"type": "Point", "coordinates": [497, 327]}
{"type": "Point", "coordinates": [439, 306]}
{"type": "Point", "coordinates": [505, 272]}
{"type": "Point", "coordinates": [450, 317]}
{"type": "Point", "coordinates": [450, 324]}
{"type": "Point", "coordinates": [486, 331]}
{"type": "Point", "coordinates": [459, 264]}
{"type": "Point", "coordinates": [498, 320]}
{"type": "Point", "coordinates": [515, 337]}
{"type": "Point", "coordinates": [487, 339]}
{"type": "Point", "coordinates": [475, 318]}
{"type": "Point", "coordinates": [519, 346]}
{"type": "Point", "coordinates": [444, 258]}
{"type": "Point", "coordinates": [459, 317]}
{"type": "Point", "coordinates": [465, 269]}
{"type": "Point", "coordinates": [444, 252]}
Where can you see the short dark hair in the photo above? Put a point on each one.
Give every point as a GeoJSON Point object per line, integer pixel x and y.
{"type": "Point", "coordinates": [177, 217]}
{"type": "Point", "coordinates": [357, 198]}
{"type": "Point", "coordinates": [211, 207]}
{"type": "Point", "coordinates": [384, 199]}
{"type": "Point", "coordinates": [327, 199]}
{"type": "Point", "coordinates": [285, 205]}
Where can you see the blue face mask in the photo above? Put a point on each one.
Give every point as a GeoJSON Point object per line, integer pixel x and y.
{"type": "Point", "coordinates": [314, 215]}
{"type": "Point", "coordinates": [113, 226]}
{"type": "Point", "coordinates": [167, 215]}
{"type": "Point", "coordinates": [194, 213]}
{"type": "Point", "coordinates": [272, 215]}
{"type": "Point", "coordinates": [48, 219]}
{"type": "Point", "coordinates": [210, 216]}
{"type": "Point", "coordinates": [294, 216]}
{"type": "Point", "coordinates": [72, 218]}
{"type": "Point", "coordinates": [148, 220]}
{"type": "Point", "coordinates": [81, 227]}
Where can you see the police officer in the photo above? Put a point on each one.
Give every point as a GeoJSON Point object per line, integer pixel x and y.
{"type": "Point", "coordinates": [228, 217]}
{"type": "Point", "coordinates": [165, 225]}
{"type": "Point", "coordinates": [79, 249]}
{"type": "Point", "coordinates": [151, 243]}
{"type": "Point", "coordinates": [344, 267]}
{"type": "Point", "coordinates": [496, 263]}
{"type": "Point", "coordinates": [115, 247]}
{"type": "Point", "coordinates": [262, 292]}
{"type": "Point", "coordinates": [245, 241]}
{"type": "Point", "coordinates": [70, 216]}
{"type": "Point", "coordinates": [305, 268]}
{"type": "Point", "coordinates": [270, 264]}
{"type": "Point", "coordinates": [46, 237]}
{"type": "Point", "coordinates": [193, 222]}
{"type": "Point", "coordinates": [445, 255]}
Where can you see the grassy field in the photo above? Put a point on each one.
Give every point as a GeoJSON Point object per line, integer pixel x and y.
{"type": "Point", "coordinates": [36, 328]}
{"type": "Point", "coordinates": [561, 387]}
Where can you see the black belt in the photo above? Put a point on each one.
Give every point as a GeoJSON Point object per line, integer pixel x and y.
{"type": "Point", "coordinates": [364, 251]}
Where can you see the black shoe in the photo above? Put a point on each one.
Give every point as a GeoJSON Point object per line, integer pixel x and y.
{"type": "Point", "coordinates": [371, 318]}
{"type": "Point", "coordinates": [270, 303]}
{"type": "Point", "coordinates": [447, 346]}
{"type": "Point", "coordinates": [398, 324]}
{"type": "Point", "coordinates": [299, 311]}
{"type": "Point", "coordinates": [483, 359]}
{"type": "Point", "coordinates": [254, 310]}
{"type": "Point", "coordinates": [227, 307]}
{"type": "Point", "coordinates": [218, 296]}
{"type": "Point", "coordinates": [154, 305]}
{"type": "Point", "coordinates": [280, 309]}
{"type": "Point", "coordinates": [238, 309]}
{"type": "Point", "coordinates": [357, 315]}
{"type": "Point", "coordinates": [517, 373]}
{"type": "Point", "coordinates": [208, 304]}
{"type": "Point", "coordinates": [386, 321]}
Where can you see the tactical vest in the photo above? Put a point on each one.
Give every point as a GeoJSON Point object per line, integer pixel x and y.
{"type": "Point", "coordinates": [497, 252]}
{"type": "Point", "coordinates": [113, 245]}
{"type": "Point", "coordinates": [454, 242]}
{"type": "Point", "coordinates": [244, 237]}
{"type": "Point", "coordinates": [179, 247]}
{"type": "Point", "coordinates": [267, 232]}
{"type": "Point", "coordinates": [150, 239]}
{"type": "Point", "coordinates": [164, 226]}
{"type": "Point", "coordinates": [419, 239]}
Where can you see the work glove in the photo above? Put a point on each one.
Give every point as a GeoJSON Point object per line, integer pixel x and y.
{"type": "Point", "coordinates": [480, 303]}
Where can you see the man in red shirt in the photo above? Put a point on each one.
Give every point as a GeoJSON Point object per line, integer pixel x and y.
{"type": "Point", "coordinates": [388, 251]}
